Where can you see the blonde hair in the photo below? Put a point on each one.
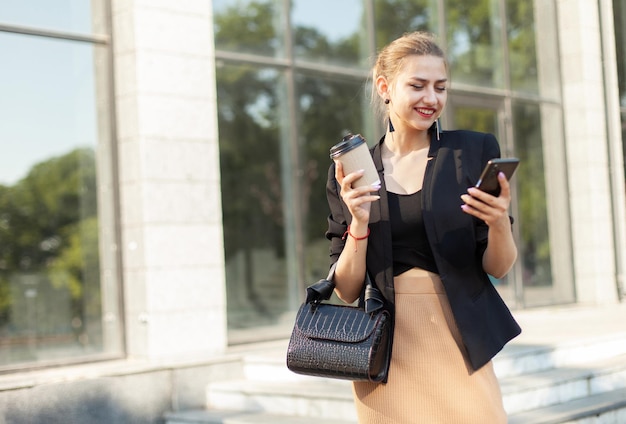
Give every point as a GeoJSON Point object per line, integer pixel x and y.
{"type": "Point", "coordinates": [391, 58]}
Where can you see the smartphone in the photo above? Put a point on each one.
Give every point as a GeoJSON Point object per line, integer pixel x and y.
{"type": "Point", "coordinates": [488, 181]}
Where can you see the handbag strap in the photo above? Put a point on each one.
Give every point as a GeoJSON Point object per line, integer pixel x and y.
{"type": "Point", "coordinates": [323, 289]}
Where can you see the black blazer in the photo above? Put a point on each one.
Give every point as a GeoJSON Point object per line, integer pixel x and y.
{"type": "Point", "coordinates": [458, 240]}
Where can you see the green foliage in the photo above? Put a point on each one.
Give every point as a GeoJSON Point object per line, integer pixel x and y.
{"type": "Point", "coordinates": [249, 147]}
{"type": "Point", "coordinates": [247, 26]}
{"type": "Point", "coordinates": [254, 139]}
{"type": "Point", "coordinates": [48, 225]}
{"type": "Point", "coordinates": [535, 240]}
{"type": "Point", "coordinates": [522, 49]}
{"type": "Point", "coordinates": [396, 17]}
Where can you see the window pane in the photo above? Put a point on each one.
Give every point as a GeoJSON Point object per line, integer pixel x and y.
{"type": "Point", "coordinates": [619, 13]}
{"type": "Point", "coordinates": [329, 109]}
{"type": "Point", "coordinates": [254, 190]}
{"type": "Point", "coordinates": [544, 243]}
{"type": "Point", "coordinates": [624, 134]}
{"type": "Point", "coordinates": [522, 52]}
{"type": "Point", "coordinates": [535, 243]}
{"type": "Point", "coordinates": [51, 222]}
{"type": "Point", "coordinates": [476, 119]}
{"type": "Point", "coordinates": [82, 16]}
{"type": "Point", "coordinates": [393, 18]}
{"type": "Point", "coordinates": [474, 42]}
{"type": "Point", "coordinates": [249, 26]}
{"type": "Point", "coordinates": [338, 37]}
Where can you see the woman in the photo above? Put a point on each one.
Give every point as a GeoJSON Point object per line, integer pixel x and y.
{"type": "Point", "coordinates": [429, 242]}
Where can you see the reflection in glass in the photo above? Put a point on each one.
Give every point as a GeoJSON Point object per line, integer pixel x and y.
{"type": "Point", "coordinates": [522, 51]}
{"type": "Point", "coordinates": [330, 31]}
{"type": "Point", "coordinates": [624, 135]}
{"type": "Point", "coordinates": [50, 224]}
{"type": "Point", "coordinates": [249, 26]}
{"type": "Point", "coordinates": [475, 119]}
{"type": "Point", "coordinates": [329, 109]}
{"type": "Point", "coordinates": [80, 16]}
{"type": "Point", "coordinates": [534, 243]}
{"type": "Point", "coordinates": [253, 194]}
{"type": "Point", "coordinates": [475, 42]}
{"type": "Point", "coordinates": [395, 17]}
{"type": "Point", "coordinates": [619, 14]}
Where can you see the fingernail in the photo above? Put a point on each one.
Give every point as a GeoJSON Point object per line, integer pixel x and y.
{"type": "Point", "coordinates": [376, 186]}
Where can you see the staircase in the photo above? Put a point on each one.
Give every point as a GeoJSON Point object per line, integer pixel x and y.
{"type": "Point", "coordinates": [569, 366]}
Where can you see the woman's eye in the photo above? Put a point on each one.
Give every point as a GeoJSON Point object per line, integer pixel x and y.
{"type": "Point", "coordinates": [441, 89]}
{"type": "Point", "coordinates": [417, 87]}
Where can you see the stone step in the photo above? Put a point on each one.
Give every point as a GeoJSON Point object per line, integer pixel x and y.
{"type": "Point", "coordinates": [325, 398]}
{"type": "Point", "coordinates": [561, 369]}
{"type": "Point", "coordinates": [563, 384]}
{"type": "Point", "coordinates": [604, 408]}
{"type": "Point", "coordinates": [238, 417]}
{"type": "Point", "coordinates": [514, 360]}
{"type": "Point", "coordinates": [518, 359]}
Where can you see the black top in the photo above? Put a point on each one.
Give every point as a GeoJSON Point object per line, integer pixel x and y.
{"type": "Point", "coordinates": [408, 234]}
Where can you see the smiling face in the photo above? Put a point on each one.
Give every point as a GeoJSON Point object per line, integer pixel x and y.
{"type": "Point", "coordinates": [417, 94]}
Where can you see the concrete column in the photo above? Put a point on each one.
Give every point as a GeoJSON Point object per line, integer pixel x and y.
{"type": "Point", "coordinates": [172, 244]}
{"type": "Point", "coordinates": [587, 149]}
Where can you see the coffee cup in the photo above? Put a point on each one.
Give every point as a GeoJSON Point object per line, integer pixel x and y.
{"type": "Point", "coordinates": [353, 153]}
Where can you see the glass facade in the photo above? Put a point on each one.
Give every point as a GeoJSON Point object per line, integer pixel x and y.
{"type": "Point", "coordinates": [304, 85]}
{"type": "Point", "coordinates": [475, 42]}
{"type": "Point", "coordinates": [64, 16]}
{"type": "Point", "coordinates": [619, 14]}
{"type": "Point", "coordinates": [58, 266]}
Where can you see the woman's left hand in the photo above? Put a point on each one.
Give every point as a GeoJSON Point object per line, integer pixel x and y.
{"type": "Point", "coordinates": [501, 251]}
{"type": "Point", "coordinates": [493, 210]}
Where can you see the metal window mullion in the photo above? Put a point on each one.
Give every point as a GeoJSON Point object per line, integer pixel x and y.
{"type": "Point", "coordinates": [48, 33]}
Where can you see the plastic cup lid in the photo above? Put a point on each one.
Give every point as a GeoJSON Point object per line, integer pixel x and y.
{"type": "Point", "coordinates": [348, 143]}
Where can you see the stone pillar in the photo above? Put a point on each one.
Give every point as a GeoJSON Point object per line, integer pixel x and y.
{"type": "Point", "coordinates": [168, 159]}
{"type": "Point", "coordinates": [588, 147]}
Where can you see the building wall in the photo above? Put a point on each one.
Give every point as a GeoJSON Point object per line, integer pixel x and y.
{"type": "Point", "coordinates": [591, 143]}
{"type": "Point", "coordinates": [169, 178]}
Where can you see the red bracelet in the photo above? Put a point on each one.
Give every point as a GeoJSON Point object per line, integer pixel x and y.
{"type": "Point", "coordinates": [348, 233]}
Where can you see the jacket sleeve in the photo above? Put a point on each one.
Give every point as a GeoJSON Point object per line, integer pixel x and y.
{"type": "Point", "coordinates": [339, 216]}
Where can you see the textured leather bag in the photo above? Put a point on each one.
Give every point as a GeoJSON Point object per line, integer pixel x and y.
{"type": "Point", "coordinates": [340, 341]}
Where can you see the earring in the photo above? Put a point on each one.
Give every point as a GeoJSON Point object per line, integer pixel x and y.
{"type": "Point", "coordinates": [387, 101]}
{"type": "Point", "coordinates": [391, 128]}
{"type": "Point", "coordinates": [437, 129]}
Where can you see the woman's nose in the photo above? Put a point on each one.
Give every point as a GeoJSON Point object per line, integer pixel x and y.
{"type": "Point", "coordinates": [430, 97]}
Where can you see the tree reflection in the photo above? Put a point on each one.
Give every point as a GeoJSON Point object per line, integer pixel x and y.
{"type": "Point", "coordinates": [49, 246]}
{"type": "Point", "coordinates": [263, 170]}
{"type": "Point", "coordinates": [396, 17]}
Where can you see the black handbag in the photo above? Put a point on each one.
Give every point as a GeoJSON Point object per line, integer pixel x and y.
{"type": "Point", "coordinates": [341, 341]}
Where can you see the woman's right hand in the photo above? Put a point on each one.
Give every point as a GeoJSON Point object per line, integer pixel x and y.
{"type": "Point", "coordinates": [359, 200]}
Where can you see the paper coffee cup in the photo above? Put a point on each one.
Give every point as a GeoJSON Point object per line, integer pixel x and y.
{"type": "Point", "coordinates": [354, 154]}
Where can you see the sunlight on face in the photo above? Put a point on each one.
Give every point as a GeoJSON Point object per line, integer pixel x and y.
{"type": "Point", "coordinates": [419, 92]}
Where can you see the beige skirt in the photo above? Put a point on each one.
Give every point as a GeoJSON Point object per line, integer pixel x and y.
{"type": "Point", "coordinates": [430, 379]}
